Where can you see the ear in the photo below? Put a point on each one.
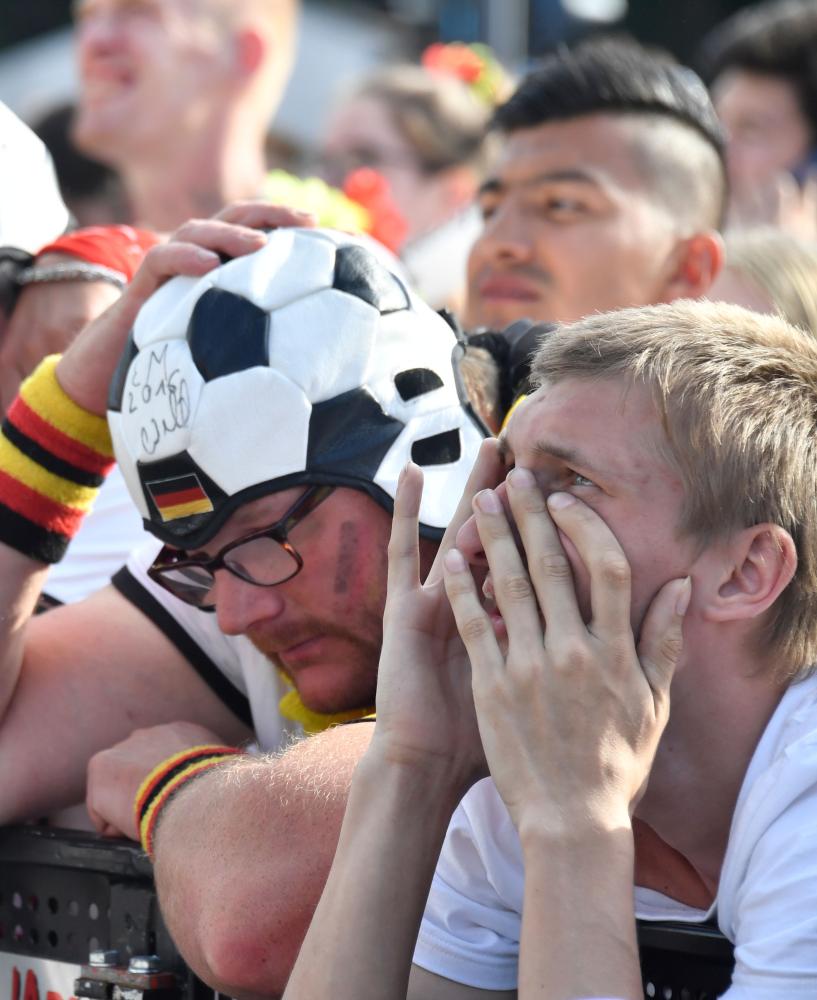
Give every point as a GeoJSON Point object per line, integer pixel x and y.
{"type": "Point", "coordinates": [755, 567]}
{"type": "Point", "coordinates": [250, 49]}
{"type": "Point", "coordinates": [699, 259]}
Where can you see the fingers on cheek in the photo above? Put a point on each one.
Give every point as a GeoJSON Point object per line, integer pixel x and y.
{"type": "Point", "coordinates": [573, 527]}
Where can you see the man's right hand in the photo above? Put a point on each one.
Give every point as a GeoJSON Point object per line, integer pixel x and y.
{"type": "Point", "coordinates": [425, 710]}
{"type": "Point", "coordinates": [115, 774]}
{"type": "Point", "coordinates": [86, 369]}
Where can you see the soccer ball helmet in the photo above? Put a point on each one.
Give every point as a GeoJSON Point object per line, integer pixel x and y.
{"type": "Point", "coordinates": [307, 362]}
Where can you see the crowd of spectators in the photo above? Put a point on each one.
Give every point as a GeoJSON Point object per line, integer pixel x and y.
{"type": "Point", "coordinates": [426, 650]}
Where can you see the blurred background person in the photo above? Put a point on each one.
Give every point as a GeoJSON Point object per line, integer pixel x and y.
{"type": "Point", "coordinates": [608, 191]}
{"type": "Point", "coordinates": [424, 130]}
{"type": "Point", "coordinates": [770, 271]}
{"type": "Point", "coordinates": [177, 96]}
{"type": "Point", "coordinates": [761, 65]}
{"type": "Point", "coordinates": [51, 286]}
{"type": "Point", "coordinates": [91, 190]}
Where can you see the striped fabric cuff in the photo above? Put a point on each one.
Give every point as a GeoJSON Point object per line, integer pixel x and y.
{"type": "Point", "coordinates": [53, 458]}
{"type": "Point", "coordinates": [165, 779]}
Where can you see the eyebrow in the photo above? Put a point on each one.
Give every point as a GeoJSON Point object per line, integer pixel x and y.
{"type": "Point", "coordinates": [494, 185]}
{"type": "Point", "coordinates": [550, 449]}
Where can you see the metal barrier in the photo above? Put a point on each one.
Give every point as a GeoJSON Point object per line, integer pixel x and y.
{"type": "Point", "coordinates": [79, 918]}
{"type": "Point", "coordinates": [684, 961]}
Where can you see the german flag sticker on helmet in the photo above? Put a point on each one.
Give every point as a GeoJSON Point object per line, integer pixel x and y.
{"type": "Point", "coordinates": [181, 496]}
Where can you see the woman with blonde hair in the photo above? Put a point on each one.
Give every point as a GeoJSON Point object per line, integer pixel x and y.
{"type": "Point", "coordinates": [771, 271]}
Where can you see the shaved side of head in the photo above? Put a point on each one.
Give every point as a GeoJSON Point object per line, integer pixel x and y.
{"type": "Point", "coordinates": [683, 170]}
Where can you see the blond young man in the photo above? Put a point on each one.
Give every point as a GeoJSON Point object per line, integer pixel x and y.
{"type": "Point", "coordinates": [660, 517]}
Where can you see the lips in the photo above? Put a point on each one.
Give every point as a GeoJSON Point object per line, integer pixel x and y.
{"type": "Point", "coordinates": [300, 651]}
{"type": "Point", "coordinates": [102, 79]}
{"type": "Point", "coordinates": [507, 286]}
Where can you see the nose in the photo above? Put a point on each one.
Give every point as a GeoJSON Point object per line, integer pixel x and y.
{"type": "Point", "coordinates": [97, 34]}
{"type": "Point", "coordinates": [240, 605]}
{"type": "Point", "coordinates": [506, 237]}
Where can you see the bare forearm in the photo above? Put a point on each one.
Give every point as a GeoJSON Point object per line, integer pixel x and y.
{"type": "Point", "coordinates": [578, 927]}
{"type": "Point", "coordinates": [361, 941]}
{"type": "Point", "coordinates": [242, 855]}
{"type": "Point", "coordinates": [21, 581]}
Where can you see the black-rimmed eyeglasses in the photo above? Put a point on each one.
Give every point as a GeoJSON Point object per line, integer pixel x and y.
{"type": "Point", "coordinates": [264, 558]}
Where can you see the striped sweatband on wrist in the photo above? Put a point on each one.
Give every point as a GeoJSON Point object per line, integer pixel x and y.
{"type": "Point", "coordinates": [54, 456]}
{"type": "Point", "coordinates": [165, 779]}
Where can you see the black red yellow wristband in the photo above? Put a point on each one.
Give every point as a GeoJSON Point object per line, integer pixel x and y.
{"type": "Point", "coordinates": [54, 456]}
{"type": "Point", "coordinates": [165, 779]}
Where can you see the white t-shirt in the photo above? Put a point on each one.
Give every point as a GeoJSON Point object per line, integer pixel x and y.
{"type": "Point", "coordinates": [767, 895]}
{"type": "Point", "coordinates": [245, 680]}
{"type": "Point", "coordinates": [108, 533]}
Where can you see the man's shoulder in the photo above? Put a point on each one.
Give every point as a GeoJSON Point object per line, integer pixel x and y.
{"type": "Point", "coordinates": [242, 677]}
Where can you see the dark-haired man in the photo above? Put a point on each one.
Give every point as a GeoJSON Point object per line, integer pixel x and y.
{"type": "Point", "coordinates": [609, 191]}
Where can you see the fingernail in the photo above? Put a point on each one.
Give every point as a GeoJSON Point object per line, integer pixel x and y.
{"type": "Point", "coordinates": [556, 501]}
{"type": "Point", "coordinates": [454, 561]}
{"type": "Point", "coordinates": [684, 595]}
{"type": "Point", "coordinates": [488, 502]}
{"type": "Point", "coordinates": [206, 255]}
{"type": "Point", "coordinates": [521, 478]}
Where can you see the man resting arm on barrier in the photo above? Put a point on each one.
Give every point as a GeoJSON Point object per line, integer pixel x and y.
{"type": "Point", "coordinates": [283, 536]}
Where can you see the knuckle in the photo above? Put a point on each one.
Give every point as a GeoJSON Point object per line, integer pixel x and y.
{"type": "Point", "coordinates": [459, 587]}
{"type": "Point", "coordinates": [573, 655]}
{"type": "Point", "coordinates": [183, 231]}
{"type": "Point", "coordinates": [670, 647]}
{"type": "Point", "coordinates": [613, 569]}
{"type": "Point", "coordinates": [397, 546]}
{"type": "Point", "coordinates": [554, 566]}
{"type": "Point", "coordinates": [96, 765]}
{"type": "Point", "coordinates": [517, 588]}
{"type": "Point", "coordinates": [473, 628]}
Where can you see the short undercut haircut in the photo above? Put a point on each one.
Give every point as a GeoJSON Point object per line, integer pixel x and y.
{"type": "Point", "coordinates": [619, 76]}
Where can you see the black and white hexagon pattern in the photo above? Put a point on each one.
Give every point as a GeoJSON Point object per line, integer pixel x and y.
{"type": "Point", "coordinates": [238, 370]}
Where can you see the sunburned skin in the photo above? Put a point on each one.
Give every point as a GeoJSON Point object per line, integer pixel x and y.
{"type": "Point", "coordinates": [348, 540]}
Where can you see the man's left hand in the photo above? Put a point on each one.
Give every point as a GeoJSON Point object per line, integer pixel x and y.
{"type": "Point", "coordinates": [570, 711]}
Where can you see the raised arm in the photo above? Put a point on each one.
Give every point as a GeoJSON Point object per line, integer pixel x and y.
{"type": "Point", "coordinates": [424, 754]}
{"type": "Point", "coordinates": [570, 716]}
{"type": "Point", "coordinates": [570, 724]}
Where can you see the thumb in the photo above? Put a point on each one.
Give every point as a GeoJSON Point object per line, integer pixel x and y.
{"type": "Point", "coordinates": [661, 641]}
